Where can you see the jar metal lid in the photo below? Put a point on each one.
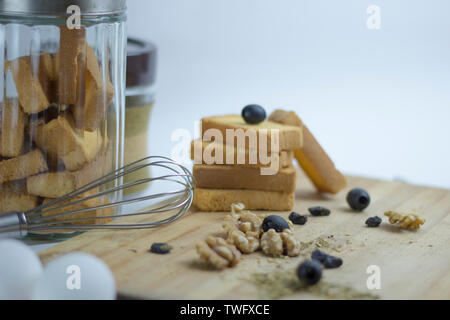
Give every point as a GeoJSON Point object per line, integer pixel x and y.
{"type": "Point", "coordinates": [141, 63]}
{"type": "Point", "coordinates": [59, 7]}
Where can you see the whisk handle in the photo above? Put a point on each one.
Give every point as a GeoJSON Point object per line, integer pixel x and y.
{"type": "Point", "coordinates": [13, 225]}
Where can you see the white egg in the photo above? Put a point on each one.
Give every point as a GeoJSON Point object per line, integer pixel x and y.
{"type": "Point", "coordinates": [76, 276]}
{"type": "Point", "coordinates": [20, 268]}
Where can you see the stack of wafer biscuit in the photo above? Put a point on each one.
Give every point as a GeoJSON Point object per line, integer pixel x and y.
{"type": "Point", "coordinates": [256, 171]}
{"type": "Point", "coordinates": [52, 137]}
{"type": "Point", "coordinates": [222, 179]}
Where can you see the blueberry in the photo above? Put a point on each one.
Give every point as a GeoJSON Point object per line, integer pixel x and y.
{"type": "Point", "coordinates": [319, 211]}
{"type": "Point", "coordinates": [309, 272]}
{"type": "Point", "coordinates": [160, 248]}
{"type": "Point", "coordinates": [253, 114]}
{"type": "Point", "coordinates": [373, 222]}
{"type": "Point", "coordinates": [358, 199]}
{"type": "Point", "coordinates": [298, 218]}
{"type": "Point", "coordinates": [332, 262]}
{"type": "Point", "coordinates": [274, 222]}
{"type": "Point", "coordinates": [318, 255]}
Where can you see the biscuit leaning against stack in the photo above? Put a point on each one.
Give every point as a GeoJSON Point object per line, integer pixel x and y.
{"type": "Point", "coordinates": [51, 136]}
{"type": "Point", "coordinates": [256, 172]}
{"type": "Point", "coordinates": [311, 157]}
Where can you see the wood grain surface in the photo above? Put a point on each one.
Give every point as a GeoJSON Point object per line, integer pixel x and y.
{"type": "Point", "coordinates": [412, 264]}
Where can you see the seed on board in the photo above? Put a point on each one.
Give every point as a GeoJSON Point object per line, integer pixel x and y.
{"type": "Point", "coordinates": [309, 272]}
{"type": "Point", "coordinates": [319, 211]}
{"type": "Point", "coordinates": [161, 248]}
{"type": "Point", "coordinates": [297, 218]}
{"type": "Point", "coordinates": [373, 222]}
{"type": "Point", "coordinates": [327, 260]}
{"type": "Point", "coordinates": [274, 222]}
{"type": "Point", "coordinates": [318, 255]}
{"type": "Point", "coordinates": [331, 262]}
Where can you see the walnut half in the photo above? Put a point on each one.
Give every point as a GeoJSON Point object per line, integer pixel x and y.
{"type": "Point", "coordinates": [217, 252]}
{"type": "Point", "coordinates": [277, 244]}
{"type": "Point", "coordinates": [245, 242]}
{"type": "Point", "coordinates": [405, 221]}
{"type": "Point", "coordinates": [243, 228]}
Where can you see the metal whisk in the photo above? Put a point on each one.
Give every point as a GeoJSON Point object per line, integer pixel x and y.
{"type": "Point", "coordinates": [48, 216]}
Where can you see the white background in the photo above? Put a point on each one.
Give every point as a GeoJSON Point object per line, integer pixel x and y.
{"type": "Point", "coordinates": [377, 100]}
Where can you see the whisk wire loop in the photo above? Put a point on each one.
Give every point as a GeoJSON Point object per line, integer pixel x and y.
{"type": "Point", "coordinates": [69, 211]}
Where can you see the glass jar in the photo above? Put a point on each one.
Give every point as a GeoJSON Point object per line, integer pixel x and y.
{"type": "Point", "coordinates": [62, 103]}
{"type": "Point", "coordinates": [140, 96]}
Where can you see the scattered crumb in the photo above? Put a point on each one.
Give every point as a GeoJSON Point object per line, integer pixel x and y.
{"type": "Point", "coordinates": [321, 242]}
{"type": "Point", "coordinates": [281, 283]}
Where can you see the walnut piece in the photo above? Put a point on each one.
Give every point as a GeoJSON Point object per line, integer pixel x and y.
{"type": "Point", "coordinates": [245, 242]}
{"type": "Point", "coordinates": [246, 221]}
{"type": "Point", "coordinates": [271, 243]}
{"type": "Point", "coordinates": [243, 228]}
{"type": "Point", "coordinates": [218, 252]}
{"type": "Point", "coordinates": [405, 221]}
{"type": "Point", "coordinates": [277, 244]}
{"type": "Point", "coordinates": [290, 244]}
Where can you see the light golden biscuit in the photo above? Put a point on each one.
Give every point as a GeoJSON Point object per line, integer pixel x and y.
{"type": "Point", "coordinates": [47, 76]}
{"type": "Point", "coordinates": [290, 137]}
{"type": "Point", "coordinates": [222, 199]}
{"type": "Point", "coordinates": [99, 93]}
{"type": "Point", "coordinates": [311, 157]}
{"type": "Point", "coordinates": [57, 184]}
{"type": "Point", "coordinates": [60, 140]}
{"type": "Point", "coordinates": [90, 203]}
{"type": "Point", "coordinates": [22, 166]}
{"type": "Point", "coordinates": [32, 96]}
{"type": "Point", "coordinates": [239, 177]}
{"type": "Point", "coordinates": [71, 65]}
{"type": "Point", "coordinates": [12, 124]}
{"type": "Point", "coordinates": [210, 148]}
{"type": "Point", "coordinates": [14, 197]}
{"type": "Point", "coordinates": [51, 184]}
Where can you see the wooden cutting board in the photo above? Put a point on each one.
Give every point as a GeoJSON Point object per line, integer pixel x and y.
{"type": "Point", "coordinates": [412, 265]}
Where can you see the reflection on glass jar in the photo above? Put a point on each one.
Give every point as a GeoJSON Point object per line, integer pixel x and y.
{"type": "Point", "coordinates": [141, 73]}
{"type": "Point", "coordinates": [62, 100]}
